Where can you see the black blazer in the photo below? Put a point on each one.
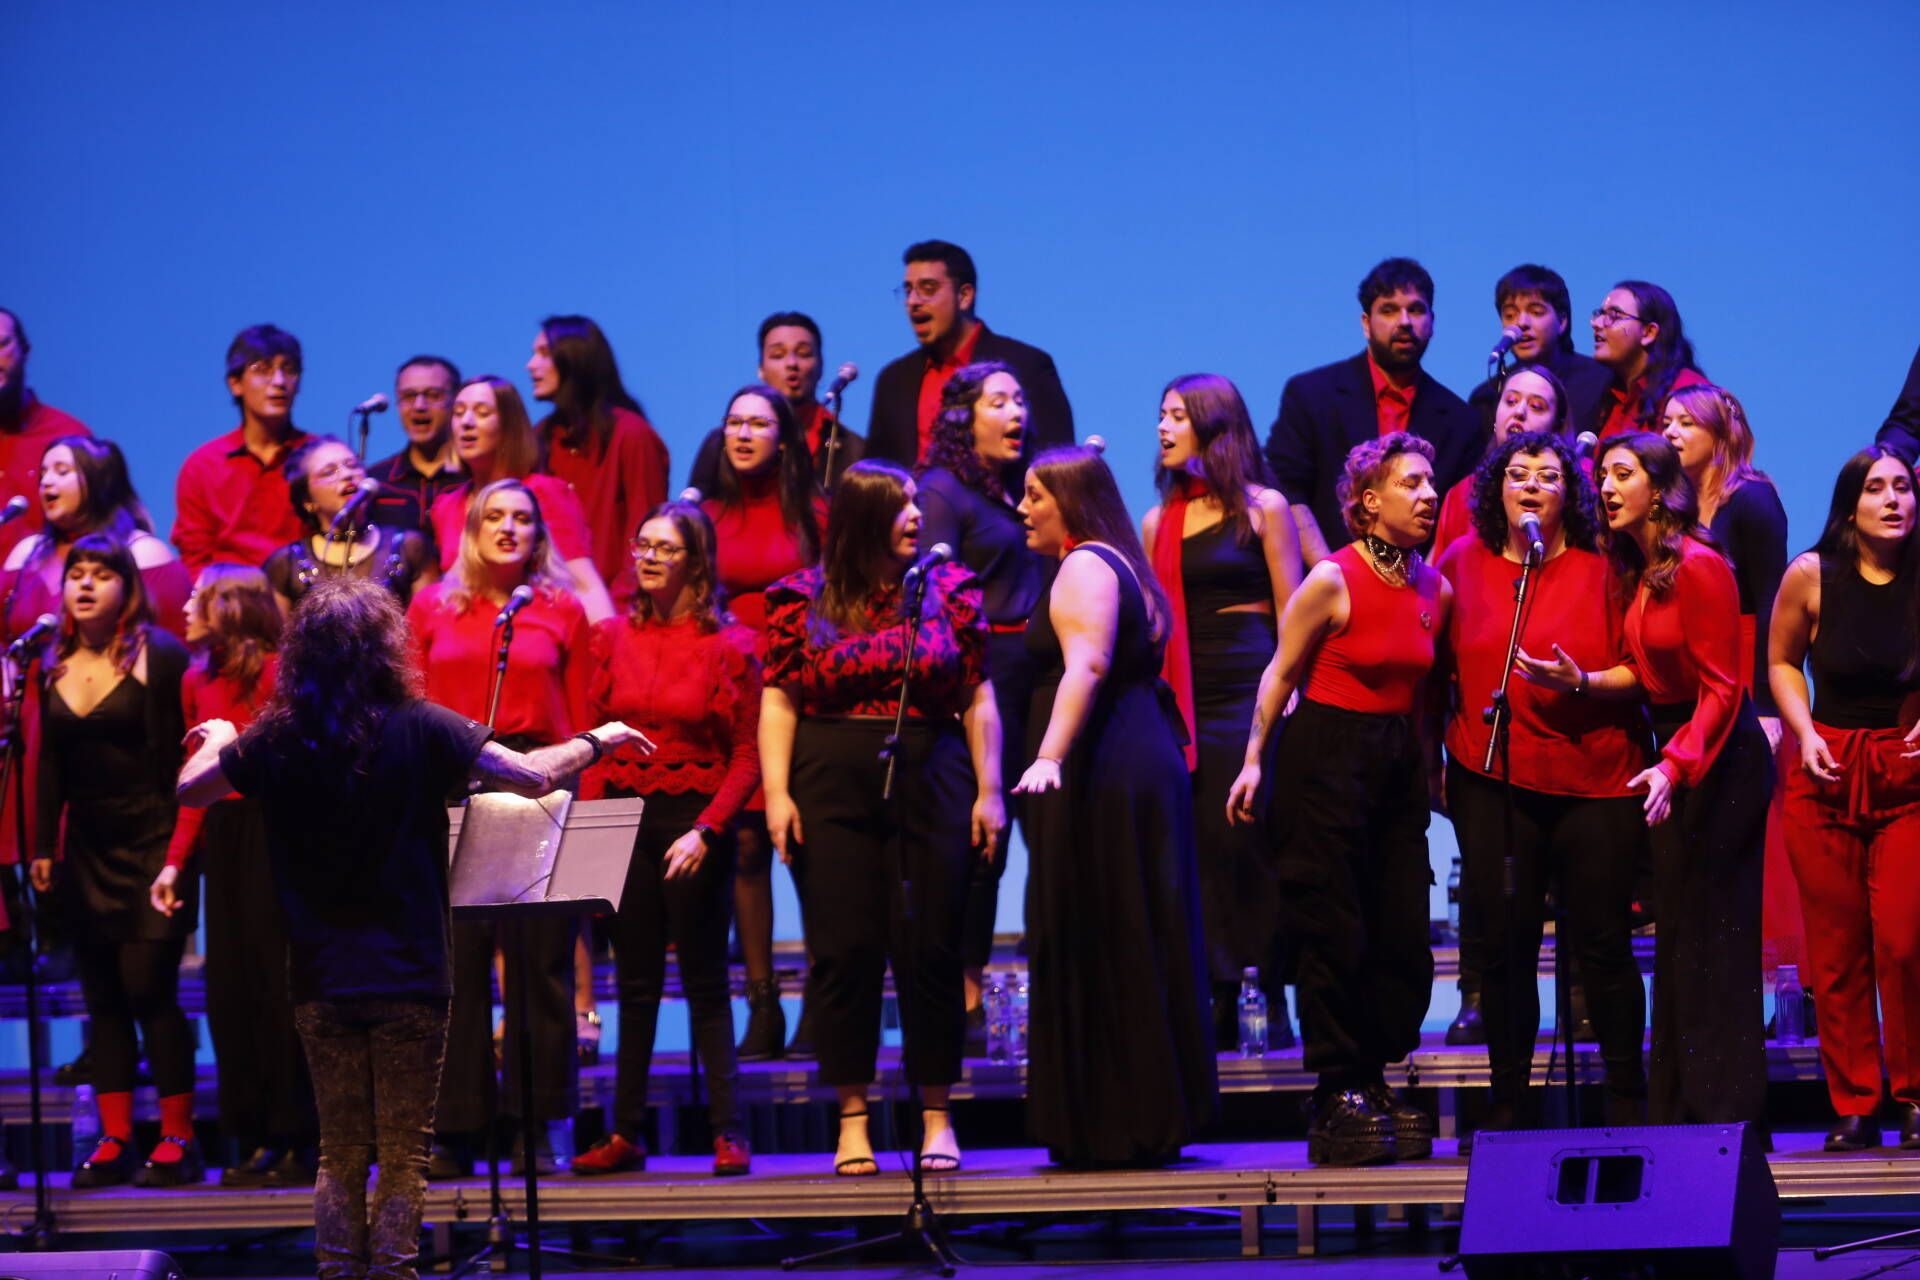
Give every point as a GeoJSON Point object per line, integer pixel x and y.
{"type": "Point", "coordinates": [1324, 412]}
{"type": "Point", "coordinates": [850, 448]}
{"type": "Point", "coordinates": [1902, 427]}
{"type": "Point", "coordinates": [893, 432]}
{"type": "Point", "coordinates": [1587, 382]}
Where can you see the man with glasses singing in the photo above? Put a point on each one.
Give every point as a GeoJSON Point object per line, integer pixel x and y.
{"type": "Point", "coordinates": [410, 480]}
{"type": "Point", "coordinates": [231, 501]}
{"type": "Point", "coordinates": [938, 291]}
{"type": "Point", "coordinates": [1324, 412]}
{"type": "Point", "coordinates": [1534, 300]}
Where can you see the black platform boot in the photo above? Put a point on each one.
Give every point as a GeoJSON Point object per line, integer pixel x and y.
{"type": "Point", "coordinates": [766, 1035]}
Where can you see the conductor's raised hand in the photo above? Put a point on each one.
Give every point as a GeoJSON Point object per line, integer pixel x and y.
{"type": "Point", "coordinates": [614, 734]}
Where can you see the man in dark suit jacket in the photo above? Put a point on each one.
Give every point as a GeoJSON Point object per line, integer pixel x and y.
{"type": "Point", "coordinates": [1902, 427]}
{"type": "Point", "coordinates": [1534, 300]}
{"type": "Point", "coordinates": [939, 289]}
{"type": "Point", "coordinates": [790, 363]}
{"type": "Point", "coordinates": [1324, 412]}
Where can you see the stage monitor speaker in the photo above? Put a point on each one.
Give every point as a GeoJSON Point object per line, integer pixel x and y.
{"type": "Point", "coordinates": [112, 1264]}
{"type": "Point", "coordinates": [1689, 1200]}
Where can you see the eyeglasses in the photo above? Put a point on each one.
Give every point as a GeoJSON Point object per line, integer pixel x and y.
{"type": "Point", "coordinates": [749, 424]}
{"type": "Point", "coordinates": [925, 288]}
{"type": "Point", "coordinates": [1611, 316]}
{"type": "Point", "coordinates": [432, 395]}
{"type": "Point", "coordinates": [336, 470]}
{"type": "Point", "coordinates": [266, 368]}
{"type": "Point", "coordinates": [1545, 478]}
{"type": "Point", "coordinates": [664, 552]}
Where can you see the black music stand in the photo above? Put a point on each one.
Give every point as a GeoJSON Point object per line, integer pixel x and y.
{"type": "Point", "coordinates": [520, 856]}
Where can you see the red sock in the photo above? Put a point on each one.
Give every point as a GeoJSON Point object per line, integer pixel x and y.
{"type": "Point", "coordinates": [176, 1121]}
{"type": "Point", "coordinates": [116, 1115]}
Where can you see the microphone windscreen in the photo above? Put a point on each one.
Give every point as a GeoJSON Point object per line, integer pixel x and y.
{"type": "Point", "coordinates": [1097, 443]}
{"type": "Point", "coordinates": [693, 495]}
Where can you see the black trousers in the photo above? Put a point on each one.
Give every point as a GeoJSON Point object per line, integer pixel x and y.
{"type": "Point", "coordinates": [545, 943]}
{"type": "Point", "coordinates": [1588, 848]}
{"type": "Point", "coordinates": [859, 916]}
{"type": "Point", "coordinates": [692, 913]}
{"type": "Point", "coordinates": [1012, 671]}
{"type": "Point", "coordinates": [1709, 1044]}
{"type": "Point", "coordinates": [129, 985]}
{"type": "Point", "coordinates": [265, 1093]}
{"type": "Point", "coordinates": [1353, 876]}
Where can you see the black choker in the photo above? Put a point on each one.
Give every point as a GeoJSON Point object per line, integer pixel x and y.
{"type": "Point", "coordinates": [1388, 556]}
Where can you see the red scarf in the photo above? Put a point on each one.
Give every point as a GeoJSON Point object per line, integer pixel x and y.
{"type": "Point", "coordinates": [1176, 665]}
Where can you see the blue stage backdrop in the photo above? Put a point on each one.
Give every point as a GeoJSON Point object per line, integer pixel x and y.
{"type": "Point", "coordinates": [1149, 189]}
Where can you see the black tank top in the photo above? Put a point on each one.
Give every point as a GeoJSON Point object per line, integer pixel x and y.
{"type": "Point", "coordinates": [1861, 647]}
{"type": "Point", "coordinates": [1218, 570]}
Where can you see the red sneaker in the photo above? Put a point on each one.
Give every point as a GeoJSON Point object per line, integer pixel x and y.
{"type": "Point", "coordinates": [731, 1156]}
{"type": "Point", "coordinates": [612, 1154]}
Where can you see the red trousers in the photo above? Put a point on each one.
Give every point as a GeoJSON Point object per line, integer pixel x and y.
{"type": "Point", "coordinates": [1855, 846]}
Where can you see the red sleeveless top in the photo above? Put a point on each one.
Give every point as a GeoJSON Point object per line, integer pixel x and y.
{"type": "Point", "coordinates": [1376, 662]}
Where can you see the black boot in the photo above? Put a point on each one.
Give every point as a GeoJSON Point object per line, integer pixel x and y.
{"type": "Point", "coordinates": [1854, 1133]}
{"type": "Point", "coordinates": [1467, 1028]}
{"type": "Point", "coordinates": [766, 1035]}
{"type": "Point", "coordinates": [1344, 1129]}
{"type": "Point", "coordinates": [1413, 1129]}
{"type": "Point", "coordinates": [801, 1046]}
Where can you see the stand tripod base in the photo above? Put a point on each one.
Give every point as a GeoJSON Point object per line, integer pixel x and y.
{"type": "Point", "coordinates": [920, 1226]}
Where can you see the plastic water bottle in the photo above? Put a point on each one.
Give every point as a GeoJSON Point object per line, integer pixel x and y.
{"type": "Point", "coordinates": [1253, 1015]}
{"type": "Point", "coordinates": [999, 1003]}
{"type": "Point", "coordinates": [1453, 900]}
{"type": "Point", "coordinates": [1789, 1006]}
{"type": "Point", "coordinates": [86, 1122]}
{"type": "Point", "coordinates": [1018, 1021]}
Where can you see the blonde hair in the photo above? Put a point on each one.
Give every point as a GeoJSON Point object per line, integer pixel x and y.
{"type": "Point", "coordinates": [1725, 419]}
{"type": "Point", "coordinates": [545, 570]}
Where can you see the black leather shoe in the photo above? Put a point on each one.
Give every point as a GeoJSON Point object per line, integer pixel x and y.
{"type": "Point", "coordinates": [766, 1034]}
{"type": "Point", "coordinates": [79, 1071]}
{"type": "Point", "coordinates": [299, 1167]}
{"type": "Point", "coordinates": [253, 1171]}
{"type": "Point", "coordinates": [111, 1164]}
{"type": "Point", "coordinates": [1909, 1113]}
{"type": "Point", "coordinates": [1413, 1129]}
{"type": "Point", "coordinates": [1854, 1133]}
{"type": "Point", "coordinates": [1466, 1028]}
{"type": "Point", "coordinates": [189, 1168]}
{"type": "Point", "coordinates": [448, 1162]}
{"type": "Point", "coordinates": [1344, 1129]}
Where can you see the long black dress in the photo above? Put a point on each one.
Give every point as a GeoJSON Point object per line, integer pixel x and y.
{"type": "Point", "coordinates": [1121, 1061]}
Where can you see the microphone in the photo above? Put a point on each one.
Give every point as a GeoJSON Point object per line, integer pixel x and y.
{"type": "Point", "coordinates": [1584, 444]}
{"type": "Point", "coordinates": [14, 509]}
{"type": "Point", "coordinates": [368, 487]}
{"type": "Point", "coordinates": [522, 597]}
{"type": "Point", "coordinates": [1536, 544]}
{"type": "Point", "coordinates": [375, 403]}
{"type": "Point", "coordinates": [938, 554]}
{"type": "Point", "coordinates": [43, 626]}
{"type": "Point", "coordinates": [693, 495]}
{"type": "Point", "coordinates": [841, 381]}
{"type": "Point", "coordinates": [1097, 443]}
{"type": "Point", "coordinates": [1508, 337]}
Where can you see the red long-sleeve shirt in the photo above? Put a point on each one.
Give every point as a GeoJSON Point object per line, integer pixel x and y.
{"type": "Point", "coordinates": [559, 506]}
{"type": "Point", "coordinates": [231, 507]}
{"type": "Point", "coordinates": [1623, 404]}
{"type": "Point", "coordinates": [754, 547]}
{"type": "Point", "coordinates": [543, 695]}
{"type": "Point", "coordinates": [20, 452]}
{"type": "Point", "coordinates": [1561, 743]}
{"type": "Point", "coordinates": [1456, 518]}
{"type": "Point", "coordinates": [695, 694]}
{"type": "Point", "coordinates": [207, 695]}
{"type": "Point", "coordinates": [1377, 662]}
{"type": "Point", "coordinates": [617, 486]}
{"type": "Point", "coordinates": [1686, 645]}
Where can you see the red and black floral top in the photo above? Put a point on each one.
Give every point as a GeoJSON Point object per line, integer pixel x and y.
{"type": "Point", "coordinates": [695, 694]}
{"type": "Point", "coordinates": [858, 673]}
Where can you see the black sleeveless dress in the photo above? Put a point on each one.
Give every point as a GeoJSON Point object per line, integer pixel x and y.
{"type": "Point", "coordinates": [1121, 1058]}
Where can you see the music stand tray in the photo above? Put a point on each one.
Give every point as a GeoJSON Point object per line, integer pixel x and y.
{"type": "Point", "coordinates": [545, 855]}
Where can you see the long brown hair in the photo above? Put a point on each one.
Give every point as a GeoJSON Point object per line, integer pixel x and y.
{"type": "Point", "coordinates": [857, 558]}
{"type": "Point", "coordinates": [136, 614]}
{"type": "Point", "coordinates": [795, 483]}
{"type": "Point", "coordinates": [237, 603]}
{"type": "Point", "coordinates": [1675, 517]}
{"type": "Point", "coordinates": [1228, 451]}
{"type": "Point", "coordinates": [590, 386]}
{"type": "Point", "coordinates": [518, 455]}
{"type": "Point", "coordinates": [545, 570]}
{"type": "Point", "coordinates": [696, 531]}
{"type": "Point", "coordinates": [1725, 418]}
{"type": "Point", "coordinates": [1092, 510]}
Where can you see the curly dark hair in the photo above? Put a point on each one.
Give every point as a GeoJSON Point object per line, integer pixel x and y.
{"type": "Point", "coordinates": [950, 444]}
{"type": "Point", "coordinates": [346, 661]}
{"type": "Point", "coordinates": [1489, 505]}
{"type": "Point", "coordinates": [1365, 467]}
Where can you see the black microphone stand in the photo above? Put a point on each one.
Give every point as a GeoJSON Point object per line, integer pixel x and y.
{"type": "Point", "coordinates": [39, 1230]}
{"type": "Point", "coordinates": [1499, 716]}
{"type": "Point", "coordinates": [833, 438]}
{"type": "Point", "coordinates": [366, 426]}
{"type": "Point", "coordinates": [920, 1224]}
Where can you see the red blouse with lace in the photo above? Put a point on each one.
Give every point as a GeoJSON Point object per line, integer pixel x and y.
{"type": "Point", "coordinates": [695, 694]}
{"type": "Point", "coordinates": [857, 673]}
